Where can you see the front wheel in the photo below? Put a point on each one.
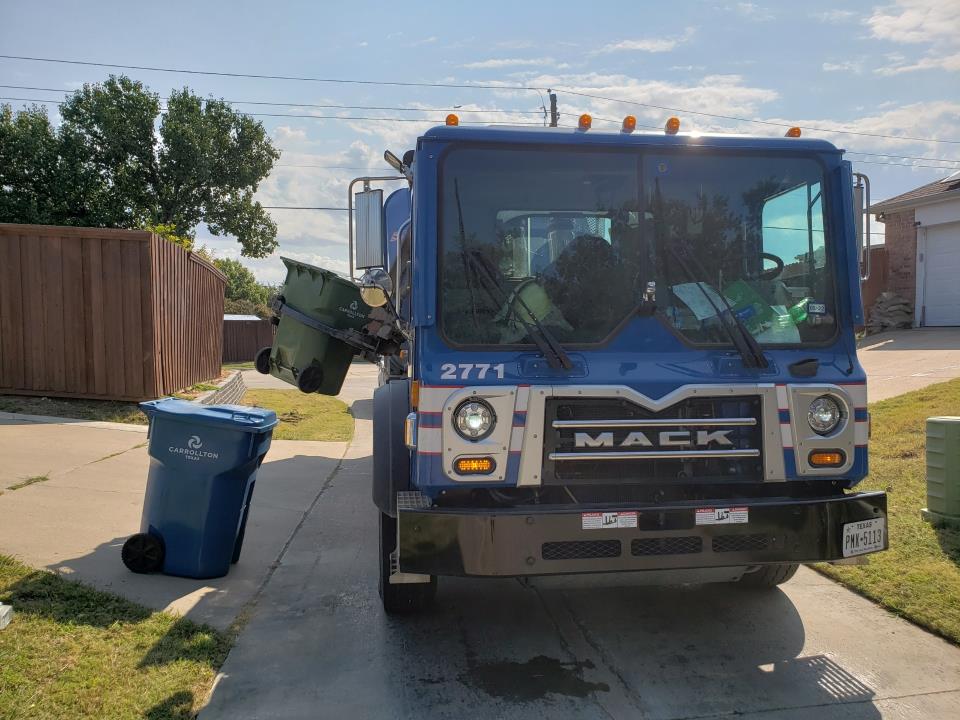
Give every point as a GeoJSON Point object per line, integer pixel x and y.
{"type": "Point", "coordinates": [400, 598]}
{"type": "Point", "coordinates": [769, 576]}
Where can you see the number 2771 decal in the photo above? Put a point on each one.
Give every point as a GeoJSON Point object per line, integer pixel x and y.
{"type": "Point", "coordinates": [466, 371]}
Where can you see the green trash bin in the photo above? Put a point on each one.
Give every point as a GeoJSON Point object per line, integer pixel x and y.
{"type": "Point", "coordinates": [305, 356]}
{"type": "Point", "coordinates": [943, 471]}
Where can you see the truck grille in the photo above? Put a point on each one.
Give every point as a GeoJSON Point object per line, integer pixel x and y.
{"type": "Point", "coordinates": [580, 549]}
{"type": "Point", "coordinates": [740, 543]}
{"type": "Point", "coordinates": [603, 440]}
{"type": "Point", "coordinates": [666, 546]}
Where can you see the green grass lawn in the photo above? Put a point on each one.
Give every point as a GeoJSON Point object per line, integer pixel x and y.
{"type": "Point", "coordinates": [227, 367]}
{"type": "Point", "coordinates": [103, 410]}
{"type": "Point", "coordinates": [304, 417]}
{"type": "Point", "coordinates": [919, 577]}
{"type": "Point", "coordinates": [75, 652]}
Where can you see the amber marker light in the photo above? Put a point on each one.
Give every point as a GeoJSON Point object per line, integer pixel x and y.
{"type": "Point", "coordinates": [452, 120]}
{"type": "Point", "coordinates": [792, 132]}
{"type": "Point", "coordinates": [672, 126]}
{"type": "Point", "coordinates": [474, 466]}
{"type": "Point", "coordinates": [629, 124]}
{"type": "Point", "coordinates": [827, 458]}
{"type": "Point", "coordinates": [585, 122]}
{"type": "Point", "coordinates": [415, 394]}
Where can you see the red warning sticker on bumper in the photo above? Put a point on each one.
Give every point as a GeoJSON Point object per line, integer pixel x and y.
{"type": "Point", "coordinates": [608, 520]}
{"type": "Point", "coordinates": [722, 516]}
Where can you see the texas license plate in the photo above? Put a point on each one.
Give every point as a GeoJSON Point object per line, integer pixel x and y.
{"type": "Point", "coordinates": [864, 537]}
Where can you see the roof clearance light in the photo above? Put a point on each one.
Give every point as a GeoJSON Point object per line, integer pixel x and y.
{"type": "Point", "coordinates": [672, 126]}
{"type": "Point", "coordinates": [629, 124]}
{"type": "Point", "coordinates": [585, 122]}
{"type": "Point", "coordinates": [792, 132]}
{"type": "Point", "coordinates": [452, 120]}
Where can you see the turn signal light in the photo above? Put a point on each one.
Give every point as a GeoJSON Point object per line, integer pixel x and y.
{"type": "Point", "coordinates": [672, 126]}
{"type": "Point", "coordinates": [629, 124]}
{"type": "Point", "coordinates": [827, 458]}
{"type": "Point", "coordinates": [415, 394]}
{"type": "Point", "coordinates": [585, 122]}
{"type": "Point", "coordinates": [474, 466]}
{"type": "Point", "coordinates": [452, 120]}
{"type": "Point", "coordinates": [792, 132]}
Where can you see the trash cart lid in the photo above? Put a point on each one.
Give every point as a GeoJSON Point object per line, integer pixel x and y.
{"type": "Point", "coordinates": [236, 417]}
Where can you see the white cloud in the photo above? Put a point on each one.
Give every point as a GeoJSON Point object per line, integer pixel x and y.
{"type": "Point", "coordinates": [833, 16]}
{"type": "Point", "coordinates": [424, 41]}
{"type": "Point", "coordinates": [754, 12]}
{"type": "Point", "coordinates": [851, 66]}
{"type": "Point", "coordinates": [494, 63]}
{"type": "Point", "coordinates": [950, 63]}
{"type": "Point", "coordinates": [650, 45]}
{"type": "Point", "coordinates": [935, 23]}
{"type": "Point", "coordinates": [917, 21]}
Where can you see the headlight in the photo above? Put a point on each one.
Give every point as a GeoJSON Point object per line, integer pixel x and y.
{"type": "Point", "coordinates": [824, 415]}
{"type": "Point", "coordinates": [474, 419]}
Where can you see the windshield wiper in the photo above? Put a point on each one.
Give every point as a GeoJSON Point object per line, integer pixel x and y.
{"type": "Point", "coordinates": [742, 339]}
{"type": "Point", "coordinates": [544, 340]}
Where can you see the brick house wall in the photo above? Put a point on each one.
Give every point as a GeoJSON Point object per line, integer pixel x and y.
{"type": "Point", "coordinates": [901, 243]}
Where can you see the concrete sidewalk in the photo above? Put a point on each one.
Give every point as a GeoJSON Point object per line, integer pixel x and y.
{"type": "Point", "coordinates": [903, 360]}
{"type": "Point", "coordinates": [76, 520]}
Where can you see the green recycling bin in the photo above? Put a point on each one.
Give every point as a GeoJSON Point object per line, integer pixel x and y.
{"type": "Point", "coordinates": [943, 471]}
{"type": "Point", "coordinates": [303, 354]}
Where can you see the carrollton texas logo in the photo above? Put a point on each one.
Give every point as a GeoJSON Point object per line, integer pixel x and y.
{"type": "Point", "coordinates": [668, 438]}
{"type": "Point", "coordinates": [194, 450]}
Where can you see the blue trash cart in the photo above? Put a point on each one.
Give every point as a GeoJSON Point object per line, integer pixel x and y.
{"type": "Point", "coordinates": [203, 467]}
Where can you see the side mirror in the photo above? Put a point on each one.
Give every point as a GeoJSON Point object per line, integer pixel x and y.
{"type": "Point", "coordinates": [375, 287]}
{"type": "Point", "coordinates": [371, 236]}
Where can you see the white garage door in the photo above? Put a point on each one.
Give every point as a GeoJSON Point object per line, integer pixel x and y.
{"type": "Point", "coordinates": [941, 296]}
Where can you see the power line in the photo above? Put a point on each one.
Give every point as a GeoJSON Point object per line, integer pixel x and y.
{"type": "Point", "coordinates": [313, 117]}
{"type": "Point", "coordinates": [329, 107]}
{"type": "Point", "coordinates": [749, 120]}
{"type": "Point", "coordinates": [472, 87]}
{"type": "Point", "coordinates": [428, 120]}
{"type": "Point", "coordinates": [340, 81]}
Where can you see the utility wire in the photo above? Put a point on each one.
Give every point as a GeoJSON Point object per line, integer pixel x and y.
{"type": "Point", "coordinates": [428, 120]}
{"type": "Point", "coordinates": [328, 107]}
{"type": "Point", "coordinates": [339, 81]}
{"type": "Point", "coordinates": [749, 120]}
{"type": "Point", "coordinates": [311, 117]}
{"type": "Point", "coordinates": [470, 87]}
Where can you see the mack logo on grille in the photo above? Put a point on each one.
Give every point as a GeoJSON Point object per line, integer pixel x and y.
{"type": "Point", "coordinates": [667, 438]}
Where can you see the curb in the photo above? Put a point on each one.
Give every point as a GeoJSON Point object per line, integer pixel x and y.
{"type": "Point", "coordinates": [49, 420]}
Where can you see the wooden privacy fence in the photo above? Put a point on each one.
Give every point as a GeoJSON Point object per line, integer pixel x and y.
{"type": "Point", "coordinates": [106, 314]}
{"type": "Point", "coordinates": [242, 339]}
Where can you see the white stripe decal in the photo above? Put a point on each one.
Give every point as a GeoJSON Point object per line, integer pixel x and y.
{"type": "Point", "coordinates": [523, 398]}
{"type": "Point", "coordinates": [782, 398]}
{"type": "Point", "coordinates": [861, 433]}
{"type": "Point", "coordinates": [429, 440]}
{"type": "Point", "coordinates": [857, 393]}
{"type": "Point", "coordinates": [516, 439]}
{"type": "Point", "coordinates": [432, 399]}
{"type": "Point", "coordinates": [786, 435]}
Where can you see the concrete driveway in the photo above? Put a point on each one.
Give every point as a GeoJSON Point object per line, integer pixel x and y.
{"type": "Point", "coordinates": [319, 646]}
{"type": "Point", "coordinates": [903, 360]}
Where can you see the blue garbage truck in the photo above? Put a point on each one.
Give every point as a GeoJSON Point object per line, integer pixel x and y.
{"type": "Point", "coordinates": [621, 352]}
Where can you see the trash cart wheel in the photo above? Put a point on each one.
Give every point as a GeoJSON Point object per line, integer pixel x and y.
{"type": "Point", "coordinates": [262, 361]}
{"type": "Point", "coordinates": [143, 553]}
{"type": "Point", "coordinates": [403, 597]}
{"type": "Point", "coordinates": [310, 379]}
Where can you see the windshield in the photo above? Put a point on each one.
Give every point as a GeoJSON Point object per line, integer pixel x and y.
{"type": "Point", "coordinates": [581, 241]}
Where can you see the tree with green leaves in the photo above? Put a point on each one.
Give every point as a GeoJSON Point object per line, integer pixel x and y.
{"type": "Point", "coordinates": [115, 161]}
{"type": "Point", "coordinates": [243, 294]}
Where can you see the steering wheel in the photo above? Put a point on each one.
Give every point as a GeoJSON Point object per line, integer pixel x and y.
{"type": "Point", "coordinates": [774, 272]}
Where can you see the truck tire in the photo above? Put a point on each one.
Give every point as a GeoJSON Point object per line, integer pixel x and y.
{"type": "Point", "coordinates": [401, 598]}
{"type": "Point", "coordinates": [769, 576]}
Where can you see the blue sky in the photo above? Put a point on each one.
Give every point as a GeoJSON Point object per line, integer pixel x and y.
{"type": "Point", "coordinates": [886, 69]}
